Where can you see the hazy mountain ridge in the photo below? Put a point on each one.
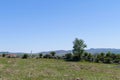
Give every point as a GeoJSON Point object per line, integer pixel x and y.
{"type": "Point", "coordinates": [105, 50]}
{"type": "Point", "coordinates": [92, 50]}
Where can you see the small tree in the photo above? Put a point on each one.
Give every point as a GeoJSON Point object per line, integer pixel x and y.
{"type": "Point", "coordinates": [108, 54]}
{"type": "Point", "coordinates": [25, 56]}
{"type": "Point", "coordinates": [78, 48]}
{"type": "Point", "coordinates": [85, 56]}
{"type": "Point", "coordinates": [40, 55]}
{"type": "Point", "coordinates": [3, 55]}
{"type": "Point", "coordinates": [52, 53]}
{"type": "Point", "coordinates": [68, 56]}
{"type": "Point", "coordinates": [90, 57]}
{"type": "Point", "coordinates": [108, 60]}
{"type": "Point", "coordinates": [101, 57]}
{"type": "Point", "coordinates": [47, 56]}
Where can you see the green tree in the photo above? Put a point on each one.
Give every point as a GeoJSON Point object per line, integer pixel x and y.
{"type": "Point", "coordinates": [108, 54]}
{"type": "Point", "coordinates": [52, 53]}
{"type": "Point", "coordinates": [90, 57]}
{"type": "Point", "coordinates": [86, 56]}
{"type": "Point", "coordinates": [25, 56]}
{"type": "Point", "coordinates": [40, 55]}
{"type": "Point", "coordinates": [78, 48]}
{"type": "Point", "coordinates": [3, 55]}
{"type": "Point", "coordinates": [108, 60]}
{"type": "Point", "coordinates": [47, 56]}
{"type": "Point", "coordinates": [68, 56]}
{"type": "Point", "coordinates": [102, 56]}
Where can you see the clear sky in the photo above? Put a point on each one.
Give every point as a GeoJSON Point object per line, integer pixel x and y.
{"type": "Point", "coordinates": [43, 25]}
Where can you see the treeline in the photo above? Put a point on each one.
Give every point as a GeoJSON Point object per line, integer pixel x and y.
{"type": "Point", "coordinates": [78, 54]}
{"type": "Point", "coordinates": [98, 58]}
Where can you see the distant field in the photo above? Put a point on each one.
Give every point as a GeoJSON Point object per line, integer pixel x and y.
{"type": "Point", "coordinates": [50, 69]}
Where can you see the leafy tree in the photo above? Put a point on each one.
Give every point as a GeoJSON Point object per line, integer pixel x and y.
{"type": "Point", "coordinates": [52, 53]}
{"type": "Point", "coordinates": [25, 56]}
{"type": "Point", "coordinates": [101, 57]}
{"type": "Point", "coordinates": [108, 54]}
{"type": "Point", "coordinates": [75, 58]}
{"type": "Point", "coordinates": [68, 56]}
{"type": "Point", "coordinates": [47, 56]}
{"type": "Point", "coordinates": [113, 56]}
{"type": "Point", "coordinates": [89, 58]}
{"type": "Point", "coordinates": [40, 55]}
{"type": "Point", "coordinates": [98, 58]}
{"type": "Point", "coordinates": [102, 54]}
{"type": "Point", "coordinates": [117, 60]}
{"type": "Point", "coordinates": [85, 56]}
{"type": "Point", "coordinates": [3, 55]}
{"type": "Point", "coordinates": [108, 60]}
{"type": "Point", "coordinates": [78, 47]}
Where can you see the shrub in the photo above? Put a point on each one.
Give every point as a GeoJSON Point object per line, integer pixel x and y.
{"type": "Point", "coordinates": [75, 58]}
{"type": "Point", "coordinates": [117, 61]}
{"type": "Point", "coordinates": [68, 56]}
{"type": "Point", "coordinates": [47, 56]}
{"type": "Point", "coordinates": [25, 56]}
{"type": "Point", "coordinates": [3, 55]}
{"type": "Point", "coordinates": [107, 60]}
{"type": "Point", "coordinates": [52, 53]}
{"type": "Point", "coordinates": [40, 55]}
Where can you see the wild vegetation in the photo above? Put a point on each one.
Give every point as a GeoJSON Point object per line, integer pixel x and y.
{"type": "Point", "coordinates": [78, 54]}
{"type": "Point", "coordinates": [54, 69]}
{"type": "Point", "coordinates": [78, 65]}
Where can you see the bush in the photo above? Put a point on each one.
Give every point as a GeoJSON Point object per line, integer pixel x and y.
{"type": "Point", "coordinates": [25, 56]}
{"type": "Point", "coordinates": [3, 55]}
{"type": "Point", "coordinates": [40, 55]}
{"type": "Point", "coordinates": [97, 60]}
{"type": "Point", "coordinates": [52, 53]}
{"type": "Point", "coordinates": [75, 58]}
{"type": "Point", "coordinates": [68, 56]}
{"type": "Point", "coordinates": [47, 56]}
{"type": "Point", "coordinates": [117, 61]}
{"type": "Point", "coordinates": [107, 60]}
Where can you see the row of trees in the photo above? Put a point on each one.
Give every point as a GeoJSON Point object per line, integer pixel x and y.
{"type": "Point", "coordinates": [25, 56]}
{"type": "Point", "coordinates": [79, 54]}
{"type": "Point", "coordinates": [99, 58]}
{"type": "Point", "coordinates": [40, 55]}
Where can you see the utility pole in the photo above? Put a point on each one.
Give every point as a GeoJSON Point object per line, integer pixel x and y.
{"type": "Point", "coordinates": [31, 53]}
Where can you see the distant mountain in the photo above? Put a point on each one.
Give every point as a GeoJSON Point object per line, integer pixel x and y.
{"type": "Point", "coordinates": [92, 50]}
{"type": "Point", "coordinates": [12, 53]}
{"type": "Point", "coordinates": [61, 52]}
{"type": "Point", "coordinates": [4, 52]}
{"type": "Point", "coordinates": [105, 50]}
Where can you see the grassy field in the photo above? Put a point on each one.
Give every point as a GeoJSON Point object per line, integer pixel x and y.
{"type": "Point", "coordinates": [50, 69]}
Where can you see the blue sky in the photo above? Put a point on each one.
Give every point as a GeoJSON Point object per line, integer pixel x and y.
{"type": "Point", "coordinates": [43, 25]}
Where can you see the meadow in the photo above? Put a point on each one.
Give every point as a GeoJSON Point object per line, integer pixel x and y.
{"type": "Point", "coordinates": [53, 69]}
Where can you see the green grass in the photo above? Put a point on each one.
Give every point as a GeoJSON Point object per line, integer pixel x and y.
{"type": "Point", "coordinates": [50, 69]}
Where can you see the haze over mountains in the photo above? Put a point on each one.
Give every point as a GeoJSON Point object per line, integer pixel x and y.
{"type": "Point", "coordinates": [92, 50]}
{"type": "Point", "coordinates": [105, 50]}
